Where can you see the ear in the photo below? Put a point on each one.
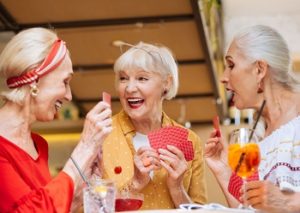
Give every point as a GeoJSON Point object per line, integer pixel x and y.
{"type": "Point", "coordinates": [261, 69]}
{"type": "Point", "coordinates": [168, 82]}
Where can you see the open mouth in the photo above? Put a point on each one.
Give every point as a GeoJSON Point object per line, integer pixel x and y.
{"type": "Point", "coordinates": [231, 96]}
{"type": "Point", "coordinates": [135, 102]}
{"type": "Point", "coordinates": [58, 105]}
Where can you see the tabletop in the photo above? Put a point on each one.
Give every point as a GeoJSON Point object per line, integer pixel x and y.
{"type": "Point", "coordinates": [194, 211]}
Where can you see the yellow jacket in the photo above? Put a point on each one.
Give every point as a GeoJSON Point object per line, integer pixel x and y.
{"type": "Point", "coordinates": [118, 151]}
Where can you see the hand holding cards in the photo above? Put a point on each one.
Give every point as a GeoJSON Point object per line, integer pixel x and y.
{"type": "Point", "coordinates": [175, 136]}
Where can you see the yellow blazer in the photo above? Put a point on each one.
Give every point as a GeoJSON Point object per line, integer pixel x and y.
{"type": "Point", "coordinates": [118, 151]}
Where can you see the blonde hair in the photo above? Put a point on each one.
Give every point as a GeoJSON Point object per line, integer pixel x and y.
{"type": "Point", "coordinates": [151, 58]}
{"type": "Point", "coordinates": [24, 51]}
{"type": "Point", "coordinates": [261, 42]}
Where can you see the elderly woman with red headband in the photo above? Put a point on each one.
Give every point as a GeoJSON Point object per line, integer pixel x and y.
{"type": "Point", "coordinates": [38, 70]}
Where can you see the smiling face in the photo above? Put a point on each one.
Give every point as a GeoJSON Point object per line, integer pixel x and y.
{"type": "Point", "coordinates": [54, 88]}
{"type": "Point", "coordinates": [141, 93]}
{"type": "Point", "coordinates": [240, 77]}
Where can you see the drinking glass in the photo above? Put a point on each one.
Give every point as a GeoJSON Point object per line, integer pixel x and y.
{"type": "Point", "coordinates": [99, 197]}
{"type": "Point", "coordinates": [243, 153]}
{"type": "Point", "coordinates": [129, 201]}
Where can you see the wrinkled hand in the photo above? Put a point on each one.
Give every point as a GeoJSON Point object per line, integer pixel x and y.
{"type": "Point", "coordinates": [215, 153]}
{"type": "Point", "coordinates": [265, 196]}
{"type": "Point", "coordinates": [97, 126]}
{"type": "Point", "coordinates": [146, 160]}
{"type": "Point", "coordinates": [174, 162]}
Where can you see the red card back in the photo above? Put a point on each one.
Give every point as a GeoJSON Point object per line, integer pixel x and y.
{"type": "Point", "coordinates": [216, 123]}
{"type": "Point", "coordinates": [106, 97]}
{"type": "Point", "coordinates": [175, 136]}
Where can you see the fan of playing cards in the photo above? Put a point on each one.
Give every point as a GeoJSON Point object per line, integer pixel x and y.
{"type": "Point", "coordinates": [175, 136]}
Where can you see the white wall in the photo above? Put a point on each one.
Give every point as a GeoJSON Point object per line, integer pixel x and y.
{"type": "Point", "coordinates": [283, 15]}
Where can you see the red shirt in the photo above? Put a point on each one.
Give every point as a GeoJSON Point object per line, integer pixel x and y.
{"type": "Point", "coordinates": [26, 184]}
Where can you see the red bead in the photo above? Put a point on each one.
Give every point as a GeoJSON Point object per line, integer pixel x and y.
{"type": "Point", "coordinates": [118, 169]}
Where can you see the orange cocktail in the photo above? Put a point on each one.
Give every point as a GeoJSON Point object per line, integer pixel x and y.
{"type": "Point", "coordinates": [244, 159]}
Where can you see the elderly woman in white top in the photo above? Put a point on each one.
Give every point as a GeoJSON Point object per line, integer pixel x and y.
{"type": "Point", "coordinates": [258, 67]}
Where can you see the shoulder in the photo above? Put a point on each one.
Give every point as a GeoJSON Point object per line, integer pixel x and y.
{"type": "Point", "coordinates": [289, 130]}
{"type": "Point", "coordinates": [120, 117]}
{"type": "Point", "coordinates": [39, 141]}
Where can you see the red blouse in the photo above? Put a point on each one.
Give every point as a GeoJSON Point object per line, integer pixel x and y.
{"type": "Point", "coordinates": [26, 184]}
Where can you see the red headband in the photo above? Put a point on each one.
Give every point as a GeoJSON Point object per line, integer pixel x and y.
{"type": "Point", "coordinates": [52, 61]}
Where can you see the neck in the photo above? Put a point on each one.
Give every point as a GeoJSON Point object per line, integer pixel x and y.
{"type": "Point", "coordinates": [147, 125]}
{"type": "Point", "coordinates": [281, 107]}
{"type": "Point", "coordinates": [15, 124]}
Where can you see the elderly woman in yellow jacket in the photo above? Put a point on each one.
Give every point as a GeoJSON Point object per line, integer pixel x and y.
{"type": "Point", "coordinates": [146, 75]}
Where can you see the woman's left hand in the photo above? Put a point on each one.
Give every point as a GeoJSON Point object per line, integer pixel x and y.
{"type": "Point", "coordinates": [172, 159]}
{"type": "Point", "coordinates": [265, 196]}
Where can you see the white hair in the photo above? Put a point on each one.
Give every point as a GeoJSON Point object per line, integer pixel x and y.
{"type": "Point", "coordinates": [24, 51]}
{"type": "Point", "coordinates": [261, 42]}
{"type": "Point", "coordinates": [150, 58]}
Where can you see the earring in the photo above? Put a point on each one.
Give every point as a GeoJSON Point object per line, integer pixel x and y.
{"type": "Point", "coordinates": [165, 92]}
{"type": "Point", "coordinates": [259, 88]}
{"type": "Point", "coordinates": [34, 90]}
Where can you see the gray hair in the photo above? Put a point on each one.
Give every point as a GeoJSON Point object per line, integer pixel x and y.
{"type": "Point", "coordinates": [150, 58]}
{"type": "Point", "coordinates": [24, 52]}
{"type": "Point", "coordinates": [261, 42]}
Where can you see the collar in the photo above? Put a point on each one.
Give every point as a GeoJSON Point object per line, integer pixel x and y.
{"type": "Point", "coordinates": [127, 125]}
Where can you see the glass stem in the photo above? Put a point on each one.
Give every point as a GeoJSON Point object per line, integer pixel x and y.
{"type": "Point", "coordinates": [244, 189]}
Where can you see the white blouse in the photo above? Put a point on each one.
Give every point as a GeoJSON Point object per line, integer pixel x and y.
{"type": "Point", "coordinates": [140, 140]}
{"type": "Point", "coordinates": [280, 151]}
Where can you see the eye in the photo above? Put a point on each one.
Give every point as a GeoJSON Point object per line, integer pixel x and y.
{"type": "Point", "coordinates": [230, 65]}
{"type": "Point", "coordinates": [142, 79]}
{"type": "Point", "coordinates": [122, 78]}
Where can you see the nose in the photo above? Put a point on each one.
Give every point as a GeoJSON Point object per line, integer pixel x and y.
{"type": "Point", "coordinates": [225, 77]}
{"type": "Point", "coordinates": [68, 95]}
{"type": "Point", "coordinates": [131, 86]}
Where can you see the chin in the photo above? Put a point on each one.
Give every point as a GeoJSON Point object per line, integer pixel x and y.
{"type": "Point", "coordinates": [135, 115]}
{"type": "Point", "coordinates": [46, 118]}
{"type": "Point", "coordinates": [239, 105]}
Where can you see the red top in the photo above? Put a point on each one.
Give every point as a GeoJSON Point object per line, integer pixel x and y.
{"type": "Point", "coordinates": [26, 184]}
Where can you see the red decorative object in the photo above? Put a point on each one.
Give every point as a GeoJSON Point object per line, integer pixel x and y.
{"type": "Point", "coordinates": [118, 169]}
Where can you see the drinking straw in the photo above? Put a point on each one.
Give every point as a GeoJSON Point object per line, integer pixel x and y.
{"type": "Point", "coordinates": [251, 135]}
{"type": "Point", "coordinates": [102, 207]}
{"type": "Point", "coordinates": [257, 119]}
{"type": "Point", "coordinates": [80, 172]}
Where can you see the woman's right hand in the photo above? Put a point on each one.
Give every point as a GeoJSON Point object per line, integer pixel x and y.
{"type": "Point", "coordinates": [146, 160]}
{"type": "Point", "coordinates": [96, 127]}
{"type": "Point", "coordinates": [215, 153]}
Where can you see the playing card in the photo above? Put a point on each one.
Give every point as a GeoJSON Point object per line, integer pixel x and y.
{"type": "Point", "coordinates": [236, 182]}
{"type": "Point", "coordinates": [172, 135]}
{"type": "Point", "coordinates": [187, 149]}
{"type": "Point", "coordinates": [106, 97]}
{"type": "Point", "coordinates": [216, 123]}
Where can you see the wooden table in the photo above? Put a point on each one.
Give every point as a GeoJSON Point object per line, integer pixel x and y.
{"type": "Point", "coordinates": [193, 211]}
